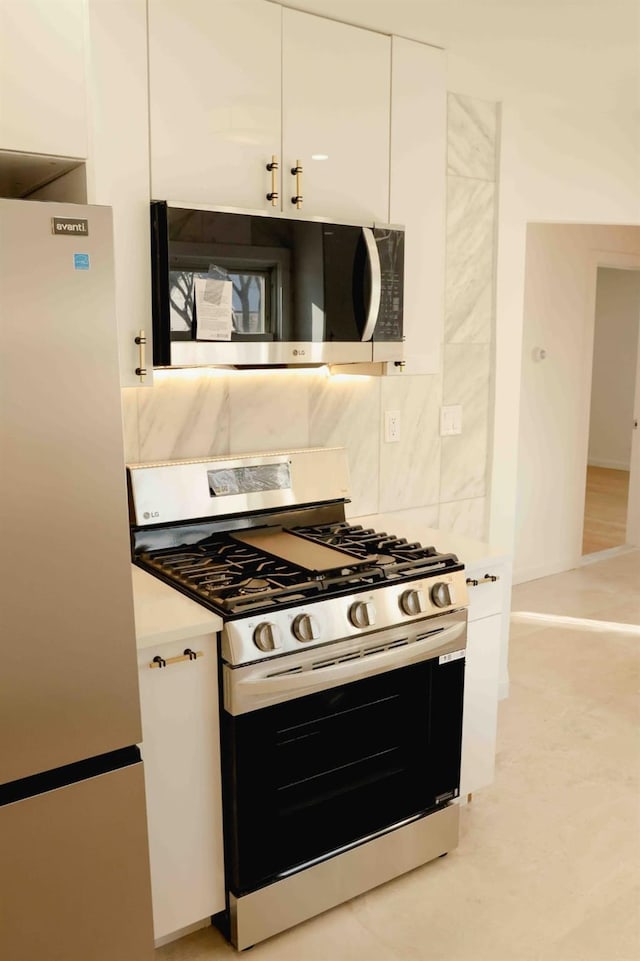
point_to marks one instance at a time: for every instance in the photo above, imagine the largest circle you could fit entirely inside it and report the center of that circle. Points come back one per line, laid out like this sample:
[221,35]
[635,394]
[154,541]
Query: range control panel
[269,634]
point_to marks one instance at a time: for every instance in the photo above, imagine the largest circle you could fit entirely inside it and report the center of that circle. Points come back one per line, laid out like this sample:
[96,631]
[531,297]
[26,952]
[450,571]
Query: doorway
[612,477]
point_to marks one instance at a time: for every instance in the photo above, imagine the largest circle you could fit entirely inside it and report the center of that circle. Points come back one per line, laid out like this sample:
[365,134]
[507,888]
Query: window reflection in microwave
[250,303]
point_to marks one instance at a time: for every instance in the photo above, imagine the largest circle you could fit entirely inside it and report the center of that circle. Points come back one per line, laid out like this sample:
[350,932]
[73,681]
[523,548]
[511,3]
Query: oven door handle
[253,692]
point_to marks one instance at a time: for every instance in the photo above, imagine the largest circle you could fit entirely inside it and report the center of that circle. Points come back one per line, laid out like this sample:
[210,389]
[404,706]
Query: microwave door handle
[373,256]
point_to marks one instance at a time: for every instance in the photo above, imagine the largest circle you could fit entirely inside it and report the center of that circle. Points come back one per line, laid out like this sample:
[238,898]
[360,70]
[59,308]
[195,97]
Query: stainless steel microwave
[247,289]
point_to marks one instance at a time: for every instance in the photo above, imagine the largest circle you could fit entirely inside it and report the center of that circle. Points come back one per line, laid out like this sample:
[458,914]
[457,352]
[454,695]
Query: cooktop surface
[234,572]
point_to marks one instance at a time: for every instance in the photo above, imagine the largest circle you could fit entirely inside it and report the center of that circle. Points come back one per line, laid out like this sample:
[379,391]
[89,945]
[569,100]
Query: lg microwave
[247,289]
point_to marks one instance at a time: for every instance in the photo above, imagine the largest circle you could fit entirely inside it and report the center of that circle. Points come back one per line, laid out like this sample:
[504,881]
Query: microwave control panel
[390,245]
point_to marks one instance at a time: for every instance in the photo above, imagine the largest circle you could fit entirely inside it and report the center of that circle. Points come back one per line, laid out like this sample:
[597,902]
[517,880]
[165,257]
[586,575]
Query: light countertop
[164,614]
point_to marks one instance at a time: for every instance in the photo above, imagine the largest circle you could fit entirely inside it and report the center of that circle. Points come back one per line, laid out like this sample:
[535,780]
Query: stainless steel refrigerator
[74,875]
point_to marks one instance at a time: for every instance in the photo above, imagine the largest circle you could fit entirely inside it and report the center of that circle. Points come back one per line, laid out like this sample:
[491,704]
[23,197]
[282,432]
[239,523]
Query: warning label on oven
[453,656]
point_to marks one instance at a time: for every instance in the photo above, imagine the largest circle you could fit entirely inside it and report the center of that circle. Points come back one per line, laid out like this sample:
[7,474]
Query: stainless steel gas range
[341,672]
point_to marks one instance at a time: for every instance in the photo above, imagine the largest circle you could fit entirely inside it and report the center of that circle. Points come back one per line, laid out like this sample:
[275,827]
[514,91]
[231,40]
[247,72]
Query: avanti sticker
[62,226]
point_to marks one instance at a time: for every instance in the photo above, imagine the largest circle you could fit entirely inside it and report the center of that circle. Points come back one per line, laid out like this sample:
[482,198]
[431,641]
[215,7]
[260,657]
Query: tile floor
[548,866]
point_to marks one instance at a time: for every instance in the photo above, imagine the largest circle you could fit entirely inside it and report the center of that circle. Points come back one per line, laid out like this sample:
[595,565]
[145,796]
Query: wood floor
[605,510]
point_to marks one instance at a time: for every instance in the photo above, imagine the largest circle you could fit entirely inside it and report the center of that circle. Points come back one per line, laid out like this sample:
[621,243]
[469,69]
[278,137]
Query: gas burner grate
[395,554]
[233,578]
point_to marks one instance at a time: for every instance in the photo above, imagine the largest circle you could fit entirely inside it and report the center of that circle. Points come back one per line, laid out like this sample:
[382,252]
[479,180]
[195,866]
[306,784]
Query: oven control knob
[413,602]
[442,594]
[362,614]
[305,628]
[266,636]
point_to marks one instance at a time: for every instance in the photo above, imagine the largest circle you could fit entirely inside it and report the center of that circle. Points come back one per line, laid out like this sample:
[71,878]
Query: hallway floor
[548,866]
[605,509]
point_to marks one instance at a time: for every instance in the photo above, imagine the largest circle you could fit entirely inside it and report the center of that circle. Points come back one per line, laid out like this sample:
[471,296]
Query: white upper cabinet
[214,90]
[118,167]
[234,84]
[335,118]
[418,195]
[42,77]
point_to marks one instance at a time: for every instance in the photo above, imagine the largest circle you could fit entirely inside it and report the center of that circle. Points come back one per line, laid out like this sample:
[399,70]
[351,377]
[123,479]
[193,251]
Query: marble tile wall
[468,357]
[196,413]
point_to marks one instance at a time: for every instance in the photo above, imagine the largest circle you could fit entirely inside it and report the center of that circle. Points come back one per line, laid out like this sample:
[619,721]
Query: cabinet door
[480,713]
[214,99]
[487,588]
[42,81]
[335,118]
[489,584]
[418,195]
[118,167]
[181,751]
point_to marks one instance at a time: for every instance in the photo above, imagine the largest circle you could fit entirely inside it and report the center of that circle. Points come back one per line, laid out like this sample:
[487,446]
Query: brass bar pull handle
[273,193]
[297,173]
[187,655]
[141,369]
[487,579]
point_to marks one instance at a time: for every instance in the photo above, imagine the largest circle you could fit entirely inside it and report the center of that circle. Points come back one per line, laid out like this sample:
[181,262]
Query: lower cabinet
[480,704]
[181,753]
[487,600]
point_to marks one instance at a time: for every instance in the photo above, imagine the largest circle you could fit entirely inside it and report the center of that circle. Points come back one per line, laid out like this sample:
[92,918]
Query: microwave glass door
[248,280]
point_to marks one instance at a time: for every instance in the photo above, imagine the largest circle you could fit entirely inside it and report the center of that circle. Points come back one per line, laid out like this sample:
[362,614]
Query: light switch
[451,420]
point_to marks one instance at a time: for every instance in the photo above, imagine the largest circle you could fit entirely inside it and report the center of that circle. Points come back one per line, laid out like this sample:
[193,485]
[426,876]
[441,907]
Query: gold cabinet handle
[273,194]
[297,173]
[187,655]
[141,369]
[487,579]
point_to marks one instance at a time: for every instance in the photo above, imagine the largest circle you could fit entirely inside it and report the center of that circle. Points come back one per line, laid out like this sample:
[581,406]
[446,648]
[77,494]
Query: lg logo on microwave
[299,353]
[149,514]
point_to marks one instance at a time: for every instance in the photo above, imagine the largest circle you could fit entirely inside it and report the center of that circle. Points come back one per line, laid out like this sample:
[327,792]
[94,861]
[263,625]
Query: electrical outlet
[451,420]
[392,426]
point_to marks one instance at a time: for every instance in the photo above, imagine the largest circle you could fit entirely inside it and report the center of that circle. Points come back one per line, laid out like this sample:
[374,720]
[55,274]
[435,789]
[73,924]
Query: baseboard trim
[182,932]
[610,464]
[524,574]
[603,555]
[520,576]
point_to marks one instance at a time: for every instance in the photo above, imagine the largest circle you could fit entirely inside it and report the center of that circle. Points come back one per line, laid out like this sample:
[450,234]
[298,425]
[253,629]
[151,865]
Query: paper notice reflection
[213,303]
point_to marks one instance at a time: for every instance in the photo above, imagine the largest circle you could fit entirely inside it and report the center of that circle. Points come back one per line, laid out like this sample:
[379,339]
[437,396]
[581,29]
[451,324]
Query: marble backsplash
[200,412]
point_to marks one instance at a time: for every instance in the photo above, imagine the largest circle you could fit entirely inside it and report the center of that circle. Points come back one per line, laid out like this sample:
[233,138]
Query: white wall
[614,367]
[567,76]
[562,262]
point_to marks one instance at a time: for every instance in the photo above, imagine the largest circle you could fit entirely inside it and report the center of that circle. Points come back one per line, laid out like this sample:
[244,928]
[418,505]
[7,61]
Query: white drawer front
[486,590]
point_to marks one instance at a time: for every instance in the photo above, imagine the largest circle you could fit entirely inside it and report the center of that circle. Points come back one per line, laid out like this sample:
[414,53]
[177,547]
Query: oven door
[346,749]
